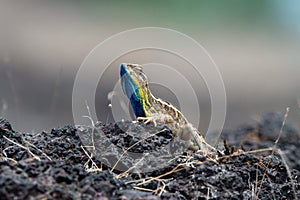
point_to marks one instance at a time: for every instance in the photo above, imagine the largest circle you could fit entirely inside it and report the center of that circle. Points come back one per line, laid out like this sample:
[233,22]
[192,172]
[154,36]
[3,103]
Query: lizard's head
[135,86]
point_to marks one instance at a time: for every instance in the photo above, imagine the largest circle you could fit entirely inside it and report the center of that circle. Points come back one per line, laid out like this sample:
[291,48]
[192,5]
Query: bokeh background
[256,45]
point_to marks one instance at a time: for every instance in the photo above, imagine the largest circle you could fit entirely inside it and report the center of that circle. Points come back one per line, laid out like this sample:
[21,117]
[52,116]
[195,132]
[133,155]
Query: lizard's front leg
[156,118]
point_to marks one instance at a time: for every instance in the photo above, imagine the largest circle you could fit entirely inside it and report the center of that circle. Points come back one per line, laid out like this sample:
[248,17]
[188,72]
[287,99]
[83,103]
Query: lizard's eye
[138,68]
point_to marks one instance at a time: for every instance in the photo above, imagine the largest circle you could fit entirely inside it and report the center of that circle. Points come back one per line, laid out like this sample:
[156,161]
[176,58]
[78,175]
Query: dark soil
[54,165]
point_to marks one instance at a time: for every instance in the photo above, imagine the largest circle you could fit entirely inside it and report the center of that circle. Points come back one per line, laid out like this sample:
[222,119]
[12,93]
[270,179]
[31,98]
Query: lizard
[148,108]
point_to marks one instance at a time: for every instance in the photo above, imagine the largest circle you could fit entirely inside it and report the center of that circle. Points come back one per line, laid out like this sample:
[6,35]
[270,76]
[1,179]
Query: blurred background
[256,45]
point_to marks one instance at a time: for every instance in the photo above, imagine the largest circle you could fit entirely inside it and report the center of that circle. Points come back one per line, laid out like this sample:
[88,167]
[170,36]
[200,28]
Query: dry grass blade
[143,189]
[160,188]
[92,122]
[124,174]
[288,172]
[94,167]
[23,147]
[5,157]
[160,176]
[38,150]
[273,149]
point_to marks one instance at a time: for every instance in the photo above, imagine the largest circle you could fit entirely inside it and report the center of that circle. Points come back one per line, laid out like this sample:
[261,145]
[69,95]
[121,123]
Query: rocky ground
[59,165]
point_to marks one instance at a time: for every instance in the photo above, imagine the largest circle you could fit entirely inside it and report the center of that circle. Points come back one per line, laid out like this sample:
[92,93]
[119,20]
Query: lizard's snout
[123,69]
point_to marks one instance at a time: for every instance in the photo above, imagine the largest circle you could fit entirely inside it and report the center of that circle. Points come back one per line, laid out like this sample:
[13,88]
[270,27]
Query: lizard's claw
[147,120]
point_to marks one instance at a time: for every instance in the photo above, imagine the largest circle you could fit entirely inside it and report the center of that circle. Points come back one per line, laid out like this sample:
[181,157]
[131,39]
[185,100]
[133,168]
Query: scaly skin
[148,108]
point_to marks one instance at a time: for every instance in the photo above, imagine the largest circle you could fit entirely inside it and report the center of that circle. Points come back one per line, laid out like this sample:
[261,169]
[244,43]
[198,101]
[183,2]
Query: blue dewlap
[131,90]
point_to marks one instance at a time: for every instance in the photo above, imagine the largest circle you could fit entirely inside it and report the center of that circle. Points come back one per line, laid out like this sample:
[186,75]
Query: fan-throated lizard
[148,108]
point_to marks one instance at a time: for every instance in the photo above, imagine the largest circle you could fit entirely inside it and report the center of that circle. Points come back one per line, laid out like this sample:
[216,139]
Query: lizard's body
[151,109]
